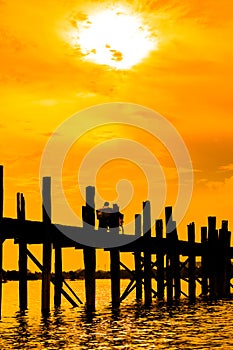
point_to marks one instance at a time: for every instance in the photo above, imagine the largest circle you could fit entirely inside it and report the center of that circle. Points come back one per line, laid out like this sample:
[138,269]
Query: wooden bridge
[156,257]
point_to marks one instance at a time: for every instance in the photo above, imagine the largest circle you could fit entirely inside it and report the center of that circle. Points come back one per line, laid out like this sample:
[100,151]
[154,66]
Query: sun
[114,37]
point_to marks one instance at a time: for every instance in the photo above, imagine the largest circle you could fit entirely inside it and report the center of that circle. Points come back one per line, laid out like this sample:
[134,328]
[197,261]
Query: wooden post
[89,253]
[224,264]
[47,246]
[147,253]
[192,263]
[22,254]
[227,260]
[160,261]
[204,262]
[115,277]
[1,241]
[176,258]
[169,256]
[137,259]
[58,275]
[213,255]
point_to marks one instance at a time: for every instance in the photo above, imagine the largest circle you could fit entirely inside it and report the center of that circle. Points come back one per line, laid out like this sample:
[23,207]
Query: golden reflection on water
[200,326]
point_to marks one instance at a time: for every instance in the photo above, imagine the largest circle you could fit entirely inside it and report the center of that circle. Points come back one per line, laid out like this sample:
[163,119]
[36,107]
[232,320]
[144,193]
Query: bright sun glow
[115,38]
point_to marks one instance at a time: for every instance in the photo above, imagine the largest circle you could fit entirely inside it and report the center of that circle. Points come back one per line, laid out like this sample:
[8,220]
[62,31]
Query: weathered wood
[169,221]
[160,261]
[47,245]
[23,294]
[147,254]
[58,275]
[115,277]
[40,266]
[213,257]
[191,264]
[227,261]
[224,263]
[176,258]
[204,262]
[169,256]
[1,241]
[215,252]
[71,290]
[137,259]
[89,253]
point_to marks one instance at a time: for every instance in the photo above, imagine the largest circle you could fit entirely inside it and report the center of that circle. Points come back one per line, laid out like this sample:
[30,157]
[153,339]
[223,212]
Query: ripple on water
[201,326]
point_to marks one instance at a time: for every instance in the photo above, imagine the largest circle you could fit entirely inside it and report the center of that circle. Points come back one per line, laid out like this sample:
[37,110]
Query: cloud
[50,133]
[227,167]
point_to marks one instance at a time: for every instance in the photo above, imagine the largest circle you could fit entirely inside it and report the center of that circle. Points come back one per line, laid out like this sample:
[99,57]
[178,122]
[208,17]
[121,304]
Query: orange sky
[188,78]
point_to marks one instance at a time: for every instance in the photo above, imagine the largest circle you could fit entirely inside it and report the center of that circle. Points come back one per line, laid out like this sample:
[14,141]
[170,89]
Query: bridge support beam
[22,254]
[160,261]
[191,264]
[58,275]
[137,259]
[47,246]
[147,254]
[89,253]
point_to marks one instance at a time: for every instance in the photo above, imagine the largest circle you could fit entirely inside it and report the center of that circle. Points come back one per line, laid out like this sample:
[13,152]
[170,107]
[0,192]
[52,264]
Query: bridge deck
[33,232]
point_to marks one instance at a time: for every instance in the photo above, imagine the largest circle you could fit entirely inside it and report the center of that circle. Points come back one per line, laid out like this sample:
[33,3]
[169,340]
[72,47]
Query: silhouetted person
[104,216]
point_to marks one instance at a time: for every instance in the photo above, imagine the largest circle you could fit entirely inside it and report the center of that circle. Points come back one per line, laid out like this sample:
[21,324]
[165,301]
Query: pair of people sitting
[110,217]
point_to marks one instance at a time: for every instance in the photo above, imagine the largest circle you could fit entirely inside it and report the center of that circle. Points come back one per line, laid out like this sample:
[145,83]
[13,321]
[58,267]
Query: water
[202,326]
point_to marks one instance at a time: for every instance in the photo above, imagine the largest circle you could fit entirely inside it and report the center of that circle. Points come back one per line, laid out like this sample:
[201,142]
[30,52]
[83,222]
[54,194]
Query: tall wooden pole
[224,263]
[58,275]
[115,277]
[47,245]
[160,261]
[22,254]
[176,258]
[147,253]
[204,262]
[115,266]
[137,259]
[213,256]
[89,253]
[192,263]
[1,241]
[227,260]
[169,256]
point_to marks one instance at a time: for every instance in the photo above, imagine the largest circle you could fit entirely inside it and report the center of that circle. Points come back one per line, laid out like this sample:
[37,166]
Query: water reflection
[22,333]
[205,325]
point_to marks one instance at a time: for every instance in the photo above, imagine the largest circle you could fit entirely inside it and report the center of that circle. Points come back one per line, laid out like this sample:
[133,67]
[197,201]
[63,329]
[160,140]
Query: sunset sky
[180,64]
